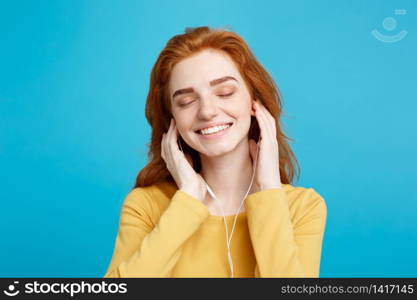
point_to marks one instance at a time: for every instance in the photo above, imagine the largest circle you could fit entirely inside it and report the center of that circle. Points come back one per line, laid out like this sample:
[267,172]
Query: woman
[217,144]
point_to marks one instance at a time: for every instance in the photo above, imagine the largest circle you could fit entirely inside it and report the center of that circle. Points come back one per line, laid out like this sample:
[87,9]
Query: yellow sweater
[165,232]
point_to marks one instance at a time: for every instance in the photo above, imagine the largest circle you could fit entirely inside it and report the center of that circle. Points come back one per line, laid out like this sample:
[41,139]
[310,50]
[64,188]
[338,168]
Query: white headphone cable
[228,240]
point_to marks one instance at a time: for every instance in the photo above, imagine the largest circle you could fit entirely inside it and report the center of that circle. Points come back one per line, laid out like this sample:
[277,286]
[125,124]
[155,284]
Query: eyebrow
[212,83]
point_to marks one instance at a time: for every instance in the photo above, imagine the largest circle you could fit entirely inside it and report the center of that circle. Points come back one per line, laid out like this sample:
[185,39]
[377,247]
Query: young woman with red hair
[219,167]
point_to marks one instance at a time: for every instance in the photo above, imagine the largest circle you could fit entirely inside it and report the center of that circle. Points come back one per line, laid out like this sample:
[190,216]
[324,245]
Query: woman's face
[206,90]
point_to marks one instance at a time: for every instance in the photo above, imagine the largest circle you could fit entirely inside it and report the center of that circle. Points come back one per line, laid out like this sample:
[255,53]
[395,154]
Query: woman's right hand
[179,165]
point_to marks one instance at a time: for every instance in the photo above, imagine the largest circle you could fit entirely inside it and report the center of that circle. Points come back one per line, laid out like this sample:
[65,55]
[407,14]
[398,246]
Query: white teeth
[214,129]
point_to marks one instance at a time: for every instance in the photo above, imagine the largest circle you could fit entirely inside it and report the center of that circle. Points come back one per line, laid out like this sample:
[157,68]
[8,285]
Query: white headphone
[228,240]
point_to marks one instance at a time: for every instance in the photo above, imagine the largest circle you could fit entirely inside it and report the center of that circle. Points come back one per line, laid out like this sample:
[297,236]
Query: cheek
[242,107]
[183,122]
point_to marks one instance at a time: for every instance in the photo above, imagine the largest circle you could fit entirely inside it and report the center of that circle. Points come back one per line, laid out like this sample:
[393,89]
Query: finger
[263,112]
[174,137]
[168,137]
[165,141]
[270,123]
[262,122]
[169,130]
[270,120]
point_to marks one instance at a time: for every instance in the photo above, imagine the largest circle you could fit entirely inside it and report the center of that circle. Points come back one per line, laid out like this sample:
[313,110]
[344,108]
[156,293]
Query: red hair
[158,104]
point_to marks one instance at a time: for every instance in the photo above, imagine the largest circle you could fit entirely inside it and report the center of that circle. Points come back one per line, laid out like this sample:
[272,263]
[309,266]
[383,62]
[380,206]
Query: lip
[212,124]
[217,134]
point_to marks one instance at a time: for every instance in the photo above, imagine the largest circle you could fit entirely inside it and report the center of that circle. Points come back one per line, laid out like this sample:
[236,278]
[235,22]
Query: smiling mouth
[214,130]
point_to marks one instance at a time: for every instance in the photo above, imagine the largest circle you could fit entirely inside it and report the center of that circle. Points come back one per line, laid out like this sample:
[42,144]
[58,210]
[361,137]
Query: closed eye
[189,102]
[185,104]
[226,95]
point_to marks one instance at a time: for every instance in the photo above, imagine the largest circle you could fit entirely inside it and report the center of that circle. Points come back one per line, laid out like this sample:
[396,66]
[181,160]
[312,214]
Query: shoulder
[150,200]
[304,201]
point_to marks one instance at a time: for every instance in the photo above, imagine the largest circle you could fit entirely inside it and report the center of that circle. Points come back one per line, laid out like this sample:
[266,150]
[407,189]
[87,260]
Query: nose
[208,108]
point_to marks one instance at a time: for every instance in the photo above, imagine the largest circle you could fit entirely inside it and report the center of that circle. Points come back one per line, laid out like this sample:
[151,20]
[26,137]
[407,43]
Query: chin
[217,150]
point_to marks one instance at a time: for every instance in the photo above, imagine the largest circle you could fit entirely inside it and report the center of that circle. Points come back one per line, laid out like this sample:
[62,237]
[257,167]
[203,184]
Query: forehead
[201,68]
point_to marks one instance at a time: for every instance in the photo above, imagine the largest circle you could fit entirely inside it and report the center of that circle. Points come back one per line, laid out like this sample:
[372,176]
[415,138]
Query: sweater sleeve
[143,249]
[284,247]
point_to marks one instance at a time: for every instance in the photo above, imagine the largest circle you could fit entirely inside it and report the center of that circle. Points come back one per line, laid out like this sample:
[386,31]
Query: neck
[228,175]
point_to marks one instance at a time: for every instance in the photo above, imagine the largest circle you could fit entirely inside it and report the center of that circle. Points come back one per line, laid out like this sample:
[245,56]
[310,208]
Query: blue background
[74,76]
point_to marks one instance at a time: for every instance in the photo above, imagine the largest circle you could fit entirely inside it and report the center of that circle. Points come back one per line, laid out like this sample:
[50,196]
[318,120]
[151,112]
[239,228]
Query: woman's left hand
[267,174]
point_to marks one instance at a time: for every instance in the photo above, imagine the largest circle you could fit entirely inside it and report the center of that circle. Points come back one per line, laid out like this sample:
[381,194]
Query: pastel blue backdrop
[74,77]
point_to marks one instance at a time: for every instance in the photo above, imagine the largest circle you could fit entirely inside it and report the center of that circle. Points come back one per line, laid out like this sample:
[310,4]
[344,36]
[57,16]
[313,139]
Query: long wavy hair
[158,104]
